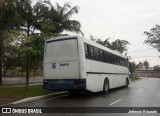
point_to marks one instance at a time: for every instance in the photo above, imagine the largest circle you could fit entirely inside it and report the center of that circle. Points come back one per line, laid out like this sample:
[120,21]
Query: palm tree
[60,19]
[31,16]
[8,16]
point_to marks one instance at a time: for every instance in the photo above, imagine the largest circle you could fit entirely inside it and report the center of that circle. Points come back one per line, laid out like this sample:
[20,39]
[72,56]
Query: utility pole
[113,36]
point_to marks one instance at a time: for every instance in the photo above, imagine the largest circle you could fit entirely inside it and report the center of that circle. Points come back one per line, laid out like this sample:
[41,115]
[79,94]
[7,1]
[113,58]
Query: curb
[35,98]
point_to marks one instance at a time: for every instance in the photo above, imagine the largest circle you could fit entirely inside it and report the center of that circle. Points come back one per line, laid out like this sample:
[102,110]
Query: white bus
[74,63]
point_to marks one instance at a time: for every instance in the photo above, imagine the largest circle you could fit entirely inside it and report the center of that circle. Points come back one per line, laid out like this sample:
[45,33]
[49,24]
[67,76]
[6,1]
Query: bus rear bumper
[64,84]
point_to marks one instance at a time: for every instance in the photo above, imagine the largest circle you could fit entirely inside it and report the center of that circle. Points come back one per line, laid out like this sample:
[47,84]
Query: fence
[148,73]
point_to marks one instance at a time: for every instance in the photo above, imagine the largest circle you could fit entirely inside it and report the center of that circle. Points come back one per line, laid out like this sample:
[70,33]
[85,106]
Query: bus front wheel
[105,86]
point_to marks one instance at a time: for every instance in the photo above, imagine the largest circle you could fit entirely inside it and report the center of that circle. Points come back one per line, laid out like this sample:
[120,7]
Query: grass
[33,90]
[135,78]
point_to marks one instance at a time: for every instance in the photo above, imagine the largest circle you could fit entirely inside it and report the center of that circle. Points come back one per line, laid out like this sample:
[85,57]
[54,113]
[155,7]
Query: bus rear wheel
[127,83]
[105,86]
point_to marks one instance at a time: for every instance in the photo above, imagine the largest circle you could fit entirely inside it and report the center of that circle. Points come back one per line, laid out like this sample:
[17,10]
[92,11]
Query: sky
[120,19]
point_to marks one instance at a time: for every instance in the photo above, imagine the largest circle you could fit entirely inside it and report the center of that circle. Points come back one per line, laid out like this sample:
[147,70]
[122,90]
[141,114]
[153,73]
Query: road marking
[115,102]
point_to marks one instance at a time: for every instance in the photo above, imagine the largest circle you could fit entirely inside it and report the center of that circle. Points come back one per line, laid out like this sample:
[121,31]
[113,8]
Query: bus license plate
[61,81]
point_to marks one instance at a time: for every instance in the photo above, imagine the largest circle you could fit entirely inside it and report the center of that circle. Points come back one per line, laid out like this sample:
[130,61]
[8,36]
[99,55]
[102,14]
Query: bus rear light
[45,81]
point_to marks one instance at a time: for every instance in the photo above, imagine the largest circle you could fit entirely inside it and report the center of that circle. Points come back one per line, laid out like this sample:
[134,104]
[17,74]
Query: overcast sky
[120,19]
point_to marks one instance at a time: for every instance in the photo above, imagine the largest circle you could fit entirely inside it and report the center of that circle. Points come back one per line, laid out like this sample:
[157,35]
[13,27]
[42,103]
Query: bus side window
[116,60]
[120,61]
[106,57]
[126,63]
[96,53]
[101,55]
[123,62]
[86,50]
[91,52]
[112,59]
[109,58]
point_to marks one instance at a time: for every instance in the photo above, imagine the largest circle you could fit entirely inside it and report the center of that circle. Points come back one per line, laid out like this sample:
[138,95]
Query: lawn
[33,90]
[135,78]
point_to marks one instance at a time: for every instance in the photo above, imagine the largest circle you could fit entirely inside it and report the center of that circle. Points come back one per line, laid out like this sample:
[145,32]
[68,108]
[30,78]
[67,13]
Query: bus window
[86,50]
[96,53]
[106,57]
[101,55]
[91,52]
[112,59]
[116,60]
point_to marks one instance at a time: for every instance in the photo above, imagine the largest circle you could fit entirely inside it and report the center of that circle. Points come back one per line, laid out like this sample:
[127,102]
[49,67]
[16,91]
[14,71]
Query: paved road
[141,93]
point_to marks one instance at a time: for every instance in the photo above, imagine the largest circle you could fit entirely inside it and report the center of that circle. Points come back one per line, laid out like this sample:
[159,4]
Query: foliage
[157,68]
[117,45]
[132,68]
[19,45]
[59,18]
[120,45]
[153,37]
[146,64]
[8,21]
[140,65]
[35,43]
[8,16]
[135,78]
[11,49]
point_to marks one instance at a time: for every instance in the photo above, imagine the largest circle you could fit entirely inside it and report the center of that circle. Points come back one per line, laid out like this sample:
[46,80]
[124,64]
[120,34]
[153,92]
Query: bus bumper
[64,84]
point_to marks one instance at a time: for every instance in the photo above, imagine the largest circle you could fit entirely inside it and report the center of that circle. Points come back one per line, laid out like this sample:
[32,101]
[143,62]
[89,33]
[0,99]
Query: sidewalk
[21,80]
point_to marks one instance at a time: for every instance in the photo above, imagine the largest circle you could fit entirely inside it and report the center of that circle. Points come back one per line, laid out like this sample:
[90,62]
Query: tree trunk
[27,70]
[34,72]
[1,60]
[27,60]
[22,71]
[4,72]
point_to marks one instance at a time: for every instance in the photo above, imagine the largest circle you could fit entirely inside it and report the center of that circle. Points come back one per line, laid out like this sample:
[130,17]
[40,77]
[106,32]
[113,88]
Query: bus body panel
[97,71]
[61,65]
[61,60]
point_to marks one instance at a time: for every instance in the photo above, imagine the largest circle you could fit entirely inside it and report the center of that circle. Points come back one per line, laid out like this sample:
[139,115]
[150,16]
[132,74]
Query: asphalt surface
[141,93]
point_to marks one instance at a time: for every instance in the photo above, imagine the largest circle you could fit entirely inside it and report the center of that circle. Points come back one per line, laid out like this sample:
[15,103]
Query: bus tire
[105,86]
[127,83]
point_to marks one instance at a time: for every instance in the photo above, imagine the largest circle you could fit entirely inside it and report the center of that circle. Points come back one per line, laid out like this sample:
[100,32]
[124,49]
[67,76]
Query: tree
[120,45]
[8,17]
[140,65]
[59,18]
[117,45]
[132,68]
[31,18]
[25,17]
[11,49]
[12,55]
[153,37]
[146,64]
[157,68]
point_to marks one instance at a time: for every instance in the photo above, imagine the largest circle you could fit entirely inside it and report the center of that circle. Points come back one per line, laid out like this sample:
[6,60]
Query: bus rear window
[62,49]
